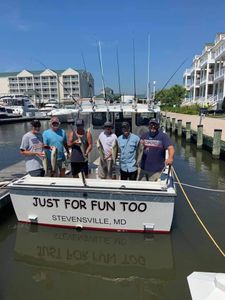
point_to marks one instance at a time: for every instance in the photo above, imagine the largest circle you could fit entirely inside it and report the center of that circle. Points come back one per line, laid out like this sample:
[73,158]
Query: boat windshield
[142,119]
[99,118]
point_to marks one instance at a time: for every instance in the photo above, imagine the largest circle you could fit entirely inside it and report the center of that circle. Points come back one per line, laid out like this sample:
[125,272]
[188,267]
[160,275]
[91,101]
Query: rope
[197,216]
[201,188]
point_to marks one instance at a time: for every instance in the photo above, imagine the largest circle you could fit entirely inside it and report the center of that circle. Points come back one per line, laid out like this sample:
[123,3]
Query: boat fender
[79,227]
[123,186]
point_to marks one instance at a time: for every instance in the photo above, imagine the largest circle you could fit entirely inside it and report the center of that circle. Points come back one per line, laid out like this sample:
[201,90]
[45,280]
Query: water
[52,263]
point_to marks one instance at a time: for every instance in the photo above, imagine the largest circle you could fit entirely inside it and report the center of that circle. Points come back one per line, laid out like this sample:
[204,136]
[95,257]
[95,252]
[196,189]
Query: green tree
[172,96]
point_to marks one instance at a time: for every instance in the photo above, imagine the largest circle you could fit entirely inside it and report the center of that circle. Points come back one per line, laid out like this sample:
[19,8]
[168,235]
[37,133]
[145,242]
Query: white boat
[6,112]
[48,108]
[20,105]
[135,206]
[65,115]
[207,285]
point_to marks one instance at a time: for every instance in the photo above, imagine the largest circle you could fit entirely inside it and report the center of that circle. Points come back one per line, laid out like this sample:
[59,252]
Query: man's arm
[171,151]
[90,143]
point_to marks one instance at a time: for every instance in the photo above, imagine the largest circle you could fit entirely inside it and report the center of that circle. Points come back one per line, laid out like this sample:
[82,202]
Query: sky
[57,34]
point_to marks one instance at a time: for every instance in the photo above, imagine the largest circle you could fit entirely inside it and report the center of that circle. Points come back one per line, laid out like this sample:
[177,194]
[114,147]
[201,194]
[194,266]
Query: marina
[175,256]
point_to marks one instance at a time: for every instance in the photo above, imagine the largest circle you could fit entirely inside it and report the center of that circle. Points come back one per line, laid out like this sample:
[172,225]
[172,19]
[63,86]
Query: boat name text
[92,204]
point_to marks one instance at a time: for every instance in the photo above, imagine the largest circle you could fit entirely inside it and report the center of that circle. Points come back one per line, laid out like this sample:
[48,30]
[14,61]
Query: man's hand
[169,161]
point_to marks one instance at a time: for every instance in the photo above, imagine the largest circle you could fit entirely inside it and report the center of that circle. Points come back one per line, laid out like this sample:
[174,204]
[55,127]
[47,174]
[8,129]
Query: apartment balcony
[220,51]
[197,82]
[219,74]
[210,79]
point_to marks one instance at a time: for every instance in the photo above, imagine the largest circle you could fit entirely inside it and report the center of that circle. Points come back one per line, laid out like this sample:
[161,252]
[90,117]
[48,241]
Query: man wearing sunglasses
[56,137]
[155,144]
[32,148]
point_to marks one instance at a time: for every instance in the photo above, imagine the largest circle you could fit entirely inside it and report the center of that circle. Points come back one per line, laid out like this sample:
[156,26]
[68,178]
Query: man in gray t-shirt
[106,168]
[32,148]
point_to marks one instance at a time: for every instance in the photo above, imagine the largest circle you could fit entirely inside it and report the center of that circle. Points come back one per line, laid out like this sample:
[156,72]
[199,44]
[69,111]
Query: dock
[209,124]
[22,119]
[8,174]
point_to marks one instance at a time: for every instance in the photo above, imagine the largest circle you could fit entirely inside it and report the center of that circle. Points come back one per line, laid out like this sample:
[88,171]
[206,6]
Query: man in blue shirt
[128,144]
[56,137]
[155,144]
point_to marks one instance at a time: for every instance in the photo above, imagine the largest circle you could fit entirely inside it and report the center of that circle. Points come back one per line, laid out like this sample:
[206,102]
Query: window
[142,119]
[99,118]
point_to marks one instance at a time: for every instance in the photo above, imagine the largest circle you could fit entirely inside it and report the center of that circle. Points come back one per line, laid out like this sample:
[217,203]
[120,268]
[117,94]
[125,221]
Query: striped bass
[45,163]
[115,148]
[82,148]
[139,153]
[54,158]
[100,150]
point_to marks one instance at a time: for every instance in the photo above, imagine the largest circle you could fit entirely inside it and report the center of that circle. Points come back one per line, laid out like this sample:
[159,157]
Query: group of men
[154,144]
[35,146]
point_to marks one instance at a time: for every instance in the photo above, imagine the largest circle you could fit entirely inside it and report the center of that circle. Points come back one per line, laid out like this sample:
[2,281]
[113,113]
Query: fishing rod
[102,77]
[148,72]
[71,95]
[170,79]
[135,95]
[118,72]
[90,87]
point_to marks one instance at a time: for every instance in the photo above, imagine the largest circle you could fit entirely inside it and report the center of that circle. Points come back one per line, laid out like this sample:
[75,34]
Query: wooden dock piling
[199,136]
[216,143]
[179,127]
[188,131]
[173,125]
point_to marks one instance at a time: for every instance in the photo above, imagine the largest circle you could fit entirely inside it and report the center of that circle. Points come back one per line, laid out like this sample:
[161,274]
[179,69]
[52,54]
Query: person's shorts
[37,173]
[77,167]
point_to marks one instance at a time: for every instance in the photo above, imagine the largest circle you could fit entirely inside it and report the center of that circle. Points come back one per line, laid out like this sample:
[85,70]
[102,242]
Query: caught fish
[139,153]
[82,148]
[45,163]
[54,159]
[100,150]
[115,151]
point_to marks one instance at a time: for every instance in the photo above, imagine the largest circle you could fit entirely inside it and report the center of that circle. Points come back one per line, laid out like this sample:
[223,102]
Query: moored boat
[118,205]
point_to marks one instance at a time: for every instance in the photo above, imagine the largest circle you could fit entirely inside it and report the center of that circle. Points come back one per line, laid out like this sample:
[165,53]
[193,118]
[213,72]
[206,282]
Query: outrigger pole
[118,72]
[148,78]
[165,85]
[135,95]
[102,76]
[89,85]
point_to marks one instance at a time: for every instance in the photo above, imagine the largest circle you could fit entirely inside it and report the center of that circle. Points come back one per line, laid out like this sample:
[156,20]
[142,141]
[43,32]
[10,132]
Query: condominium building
[205,80]
[60,85]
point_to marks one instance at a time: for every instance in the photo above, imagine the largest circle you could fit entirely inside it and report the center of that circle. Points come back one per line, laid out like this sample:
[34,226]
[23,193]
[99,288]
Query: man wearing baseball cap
[128,144]
[32,148]
[107,138]
[155,144]
[80,141]
[56,137]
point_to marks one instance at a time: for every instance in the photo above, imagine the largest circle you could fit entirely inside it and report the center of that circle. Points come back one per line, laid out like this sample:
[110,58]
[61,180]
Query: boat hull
[88,207]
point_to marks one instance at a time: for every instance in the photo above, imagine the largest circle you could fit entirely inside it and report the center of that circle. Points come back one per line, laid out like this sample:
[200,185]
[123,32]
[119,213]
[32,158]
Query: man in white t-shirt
[107,138]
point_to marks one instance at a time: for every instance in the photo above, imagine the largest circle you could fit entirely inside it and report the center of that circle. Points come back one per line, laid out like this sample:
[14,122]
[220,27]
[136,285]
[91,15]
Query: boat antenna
[135,95]
[118,72]
[148,78]
[71,95]
[165,85]
[102,77]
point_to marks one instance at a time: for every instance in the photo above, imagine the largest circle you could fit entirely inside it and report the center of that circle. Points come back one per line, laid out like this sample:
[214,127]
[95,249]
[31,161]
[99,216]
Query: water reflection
[132,265]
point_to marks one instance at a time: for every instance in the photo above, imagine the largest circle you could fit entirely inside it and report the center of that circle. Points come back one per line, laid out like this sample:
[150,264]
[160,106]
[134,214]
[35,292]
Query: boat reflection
[103,259]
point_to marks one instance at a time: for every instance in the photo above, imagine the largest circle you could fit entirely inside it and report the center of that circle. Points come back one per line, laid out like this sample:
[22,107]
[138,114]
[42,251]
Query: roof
[37,72]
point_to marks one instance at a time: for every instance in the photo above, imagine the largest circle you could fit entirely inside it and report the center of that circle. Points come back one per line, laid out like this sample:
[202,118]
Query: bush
[190,110]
